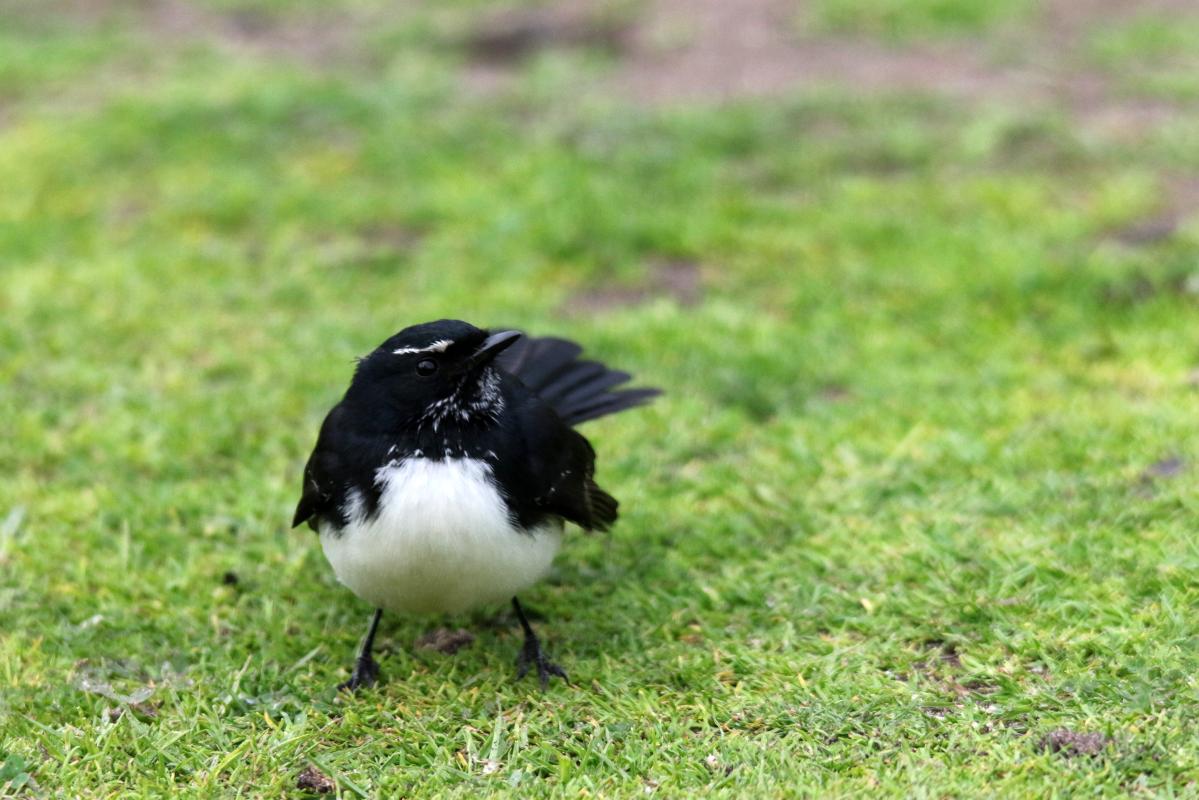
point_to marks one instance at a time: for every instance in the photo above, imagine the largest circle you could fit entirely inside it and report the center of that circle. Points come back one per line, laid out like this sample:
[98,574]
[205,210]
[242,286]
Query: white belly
[439,542]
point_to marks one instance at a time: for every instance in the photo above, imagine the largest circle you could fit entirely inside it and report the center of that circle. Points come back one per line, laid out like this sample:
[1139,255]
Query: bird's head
[435,373]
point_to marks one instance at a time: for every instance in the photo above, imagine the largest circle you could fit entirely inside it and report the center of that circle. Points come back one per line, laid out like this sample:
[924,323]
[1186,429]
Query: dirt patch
[514,34]
[939,712]
[1164,469]
[721,50]
[714,51]
[835,393]
[1180,202]
[1074,743]
[677,279]
[1066,18]
[1170,467]
[444,640]
[947,653]
[1146,232]
[316,37]
[941,670]
[313,780]
[505,39]
[669,52]
[311,35]
[392,238]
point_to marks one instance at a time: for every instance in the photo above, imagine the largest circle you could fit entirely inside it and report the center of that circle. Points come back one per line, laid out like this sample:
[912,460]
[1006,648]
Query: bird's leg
[366,670]
[531,655]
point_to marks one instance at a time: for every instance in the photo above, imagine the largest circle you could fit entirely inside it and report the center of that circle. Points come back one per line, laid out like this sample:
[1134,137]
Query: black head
[436,372]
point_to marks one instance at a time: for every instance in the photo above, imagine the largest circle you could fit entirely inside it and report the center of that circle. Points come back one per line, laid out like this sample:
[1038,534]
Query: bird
[443,479]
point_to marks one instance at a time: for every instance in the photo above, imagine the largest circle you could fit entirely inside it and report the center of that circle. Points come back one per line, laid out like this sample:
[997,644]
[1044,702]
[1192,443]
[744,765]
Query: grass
[920,492]
[1152,54]
[912,20]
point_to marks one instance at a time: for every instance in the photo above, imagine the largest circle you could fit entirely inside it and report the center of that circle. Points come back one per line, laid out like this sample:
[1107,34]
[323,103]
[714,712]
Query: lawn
[915,516]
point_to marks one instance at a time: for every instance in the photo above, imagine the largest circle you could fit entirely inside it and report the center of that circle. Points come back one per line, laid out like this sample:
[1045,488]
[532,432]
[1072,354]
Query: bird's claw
[364,676]
[531,655]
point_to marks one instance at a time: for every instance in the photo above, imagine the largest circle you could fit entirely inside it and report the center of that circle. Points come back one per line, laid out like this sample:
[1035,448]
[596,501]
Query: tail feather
[611,403]
[578,390]
[571,376]
[535,360]
[602,507]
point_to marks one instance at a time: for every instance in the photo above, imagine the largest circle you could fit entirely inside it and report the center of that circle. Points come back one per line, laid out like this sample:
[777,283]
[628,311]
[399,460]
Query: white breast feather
[440,541]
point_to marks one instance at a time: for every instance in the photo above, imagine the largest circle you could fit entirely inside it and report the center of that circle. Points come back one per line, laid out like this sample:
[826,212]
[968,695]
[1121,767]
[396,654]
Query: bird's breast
[441,539]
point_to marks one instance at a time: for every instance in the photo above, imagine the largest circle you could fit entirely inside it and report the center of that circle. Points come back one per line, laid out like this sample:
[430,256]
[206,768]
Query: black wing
[560,474]
[572,492]
[317,496]
[576,389]
[320,493]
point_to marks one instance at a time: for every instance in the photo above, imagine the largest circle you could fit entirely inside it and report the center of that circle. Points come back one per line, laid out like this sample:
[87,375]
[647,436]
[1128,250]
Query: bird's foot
[364,676]
[531,655]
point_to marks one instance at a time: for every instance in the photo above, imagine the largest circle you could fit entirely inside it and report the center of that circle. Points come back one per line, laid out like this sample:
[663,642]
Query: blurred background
[919,279]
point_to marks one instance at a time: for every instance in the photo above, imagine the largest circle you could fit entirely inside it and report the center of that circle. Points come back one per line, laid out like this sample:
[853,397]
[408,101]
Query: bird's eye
[426,367]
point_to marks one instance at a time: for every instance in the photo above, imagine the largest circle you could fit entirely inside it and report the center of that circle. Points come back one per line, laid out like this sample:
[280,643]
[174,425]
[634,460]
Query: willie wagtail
[442,479]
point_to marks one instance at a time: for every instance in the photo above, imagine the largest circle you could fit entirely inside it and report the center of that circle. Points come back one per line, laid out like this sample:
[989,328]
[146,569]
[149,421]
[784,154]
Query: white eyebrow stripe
[437,347]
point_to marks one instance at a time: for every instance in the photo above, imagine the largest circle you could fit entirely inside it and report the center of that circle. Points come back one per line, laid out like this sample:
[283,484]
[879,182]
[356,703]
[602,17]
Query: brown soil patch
[835,393]
[1161,470]
[1180,200]
[512,35]
[714,51]
[1068,17]
[504,39]
[1166,468]
[390,239]
[684,51]
[676,279]
[445,641]
[313,780]
[311,35]
[721,50]
[941,670]
[947,654]
[315,37]
[1074,743]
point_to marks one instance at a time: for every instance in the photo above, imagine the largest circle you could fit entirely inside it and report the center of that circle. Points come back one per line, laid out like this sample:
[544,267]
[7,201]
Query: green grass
[894,521]
[1156,55]
[907,20]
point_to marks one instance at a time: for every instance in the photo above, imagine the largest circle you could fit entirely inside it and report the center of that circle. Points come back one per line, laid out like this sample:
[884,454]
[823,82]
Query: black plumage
[577,390]
[469,403]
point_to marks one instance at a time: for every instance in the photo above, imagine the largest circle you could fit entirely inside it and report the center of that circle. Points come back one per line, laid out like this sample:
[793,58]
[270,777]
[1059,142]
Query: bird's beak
[492,346]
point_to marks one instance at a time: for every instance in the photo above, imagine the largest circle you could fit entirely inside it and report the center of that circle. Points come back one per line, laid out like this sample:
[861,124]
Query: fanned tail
[578,390]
